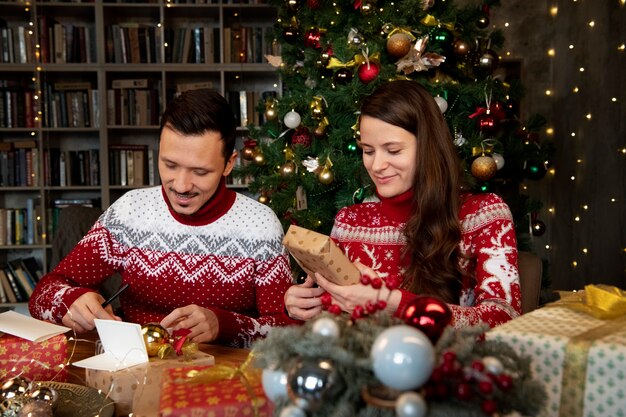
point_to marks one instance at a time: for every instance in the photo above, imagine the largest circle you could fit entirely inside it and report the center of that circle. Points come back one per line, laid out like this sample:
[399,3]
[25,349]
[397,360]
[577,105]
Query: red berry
[326,299]
[371,307]
[365,280]
[505,382]
[392,283]
[436,375]
[489,406]
[486,387]
[449,357]
[478,365]
[382,304]
[334,309]
[377,283]
[450,368]
[442,390]
[464,391]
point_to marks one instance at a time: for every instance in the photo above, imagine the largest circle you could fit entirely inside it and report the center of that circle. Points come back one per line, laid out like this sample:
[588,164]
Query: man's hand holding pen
[89,306]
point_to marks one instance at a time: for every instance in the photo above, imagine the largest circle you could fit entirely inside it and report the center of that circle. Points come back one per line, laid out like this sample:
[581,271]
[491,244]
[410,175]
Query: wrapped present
[36,361]
[316,252]
[137,389]
[185,392]
[580,359]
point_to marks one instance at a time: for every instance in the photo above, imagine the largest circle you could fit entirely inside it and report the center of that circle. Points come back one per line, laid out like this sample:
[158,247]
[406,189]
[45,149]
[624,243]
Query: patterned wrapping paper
[580,360]
[31,360]
[225,398]
[138,389]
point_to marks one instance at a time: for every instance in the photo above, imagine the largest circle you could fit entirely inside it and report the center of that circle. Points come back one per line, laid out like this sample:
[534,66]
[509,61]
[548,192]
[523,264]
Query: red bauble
[313,4]
[368,73]
[312,39]
[428,314]
[302,136]
[487,124]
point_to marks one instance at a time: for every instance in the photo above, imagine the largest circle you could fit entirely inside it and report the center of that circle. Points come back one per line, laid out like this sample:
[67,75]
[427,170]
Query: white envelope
[29,328]
[123,347]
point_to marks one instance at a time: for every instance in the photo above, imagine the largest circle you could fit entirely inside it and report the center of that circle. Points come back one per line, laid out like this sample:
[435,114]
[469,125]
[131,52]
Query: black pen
[114,296]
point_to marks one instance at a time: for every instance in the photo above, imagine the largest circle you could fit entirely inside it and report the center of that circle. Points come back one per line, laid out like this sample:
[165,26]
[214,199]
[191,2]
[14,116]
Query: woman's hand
[81,314]
[303,301]
[201,321]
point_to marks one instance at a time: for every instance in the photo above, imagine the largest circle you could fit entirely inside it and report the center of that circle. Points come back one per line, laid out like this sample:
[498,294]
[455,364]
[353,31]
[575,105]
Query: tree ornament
[247,152]
[535,170]
[398,44]
[302,136]
[411,404]
[320,129]
[291,34]
[483,21]
[14,388]
[441,38]
[155,337]
[487,123]
[428,314]
[293,5]
[499,159]
[326,175]
[259,157]
[312,381]
[488,61]
[274,384]
[368,72]
[343,76]
[312,39]
[461,48]
[263,199]
[442,103]
[402,357]
[484,167]
[538,228]
[367,8]
[288,169]
[358,196]
[326,327]
[292,119]
[317,107]
[314,4]
[355,39]
[351,148]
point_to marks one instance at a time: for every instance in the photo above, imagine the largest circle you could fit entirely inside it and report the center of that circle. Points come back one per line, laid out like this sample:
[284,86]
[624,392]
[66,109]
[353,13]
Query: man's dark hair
[195,112]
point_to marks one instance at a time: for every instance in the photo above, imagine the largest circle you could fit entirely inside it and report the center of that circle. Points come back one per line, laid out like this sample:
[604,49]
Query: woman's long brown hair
[433,231]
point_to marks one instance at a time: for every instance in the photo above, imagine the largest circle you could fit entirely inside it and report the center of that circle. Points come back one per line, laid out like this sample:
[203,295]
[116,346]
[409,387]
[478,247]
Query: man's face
[191,168]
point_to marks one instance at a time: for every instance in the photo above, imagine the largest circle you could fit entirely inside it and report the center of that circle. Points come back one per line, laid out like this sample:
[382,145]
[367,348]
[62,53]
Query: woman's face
[389,155]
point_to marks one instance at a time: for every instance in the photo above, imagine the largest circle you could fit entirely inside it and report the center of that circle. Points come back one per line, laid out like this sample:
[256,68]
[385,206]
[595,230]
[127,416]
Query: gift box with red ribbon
[36,361]
[200,392]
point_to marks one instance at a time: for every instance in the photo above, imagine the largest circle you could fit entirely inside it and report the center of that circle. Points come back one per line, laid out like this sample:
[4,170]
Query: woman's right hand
[81,314]
[303,301]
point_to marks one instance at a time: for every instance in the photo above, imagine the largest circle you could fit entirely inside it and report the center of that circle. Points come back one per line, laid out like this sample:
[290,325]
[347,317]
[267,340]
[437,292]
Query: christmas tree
[304,159]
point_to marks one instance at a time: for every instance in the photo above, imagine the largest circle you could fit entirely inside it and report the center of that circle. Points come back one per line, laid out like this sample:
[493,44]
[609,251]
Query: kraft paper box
[316,252]
[36,361]
[137,389]
[224,398]
[580,360]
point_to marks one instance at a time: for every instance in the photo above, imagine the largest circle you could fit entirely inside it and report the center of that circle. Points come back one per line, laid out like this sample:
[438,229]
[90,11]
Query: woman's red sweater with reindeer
[371,233]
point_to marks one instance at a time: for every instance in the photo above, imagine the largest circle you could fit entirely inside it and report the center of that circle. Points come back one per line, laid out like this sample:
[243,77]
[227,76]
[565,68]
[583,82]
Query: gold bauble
[271,113]
[326,176]
[259,158]
[398,45]
[288,169]
[247,153]
[320,130]
[484,167]
[317,108]
[263,199]
[154,336]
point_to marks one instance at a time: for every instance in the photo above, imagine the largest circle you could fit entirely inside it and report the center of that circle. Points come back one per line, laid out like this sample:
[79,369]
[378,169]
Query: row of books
[17,44]
[133,43]
[71,167]
[18,164]
[70,104]
[132,165]
[248,44]
[134,102]
[66,43]
[21,226]
[18,278]
[195,45]
[17,107]
[246,104]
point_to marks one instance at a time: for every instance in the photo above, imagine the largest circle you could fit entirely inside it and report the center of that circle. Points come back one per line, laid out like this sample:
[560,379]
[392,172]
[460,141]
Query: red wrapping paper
[34,361]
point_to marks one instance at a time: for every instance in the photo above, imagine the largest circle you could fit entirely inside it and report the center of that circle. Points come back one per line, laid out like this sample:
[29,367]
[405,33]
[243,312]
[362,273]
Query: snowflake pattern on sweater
[235,265]
[490,294]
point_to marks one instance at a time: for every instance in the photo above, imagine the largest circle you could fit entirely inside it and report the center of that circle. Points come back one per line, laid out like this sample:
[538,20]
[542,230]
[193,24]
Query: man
[196,254]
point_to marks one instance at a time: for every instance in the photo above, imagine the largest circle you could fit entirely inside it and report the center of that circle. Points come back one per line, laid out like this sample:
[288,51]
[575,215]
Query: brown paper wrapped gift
[316,252]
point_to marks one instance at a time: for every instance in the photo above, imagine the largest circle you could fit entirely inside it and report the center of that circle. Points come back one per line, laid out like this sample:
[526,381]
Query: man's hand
[303,301]
[201,321]
[84,310]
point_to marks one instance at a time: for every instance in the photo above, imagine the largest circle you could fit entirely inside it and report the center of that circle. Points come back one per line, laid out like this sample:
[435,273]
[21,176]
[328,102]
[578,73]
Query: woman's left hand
[202,322]
[347,297]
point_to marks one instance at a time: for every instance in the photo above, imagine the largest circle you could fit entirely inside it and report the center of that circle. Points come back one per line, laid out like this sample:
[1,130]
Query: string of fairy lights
[579,126]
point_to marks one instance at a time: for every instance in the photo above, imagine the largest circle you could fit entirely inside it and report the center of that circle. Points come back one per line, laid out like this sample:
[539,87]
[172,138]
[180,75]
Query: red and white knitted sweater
[371,233]
[228,258]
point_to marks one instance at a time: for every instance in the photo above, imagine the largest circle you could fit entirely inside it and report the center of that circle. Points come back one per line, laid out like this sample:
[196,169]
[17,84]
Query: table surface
[83,346]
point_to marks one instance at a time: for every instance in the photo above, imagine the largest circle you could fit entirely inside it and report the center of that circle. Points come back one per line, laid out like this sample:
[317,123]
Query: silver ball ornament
[442,103]
[411,404]
[313,380]
[326,327]
[14,387]
[292,119]
[274,384]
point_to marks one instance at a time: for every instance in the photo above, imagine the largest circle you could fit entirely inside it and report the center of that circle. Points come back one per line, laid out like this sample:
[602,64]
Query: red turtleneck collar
[398,208]
[216,207]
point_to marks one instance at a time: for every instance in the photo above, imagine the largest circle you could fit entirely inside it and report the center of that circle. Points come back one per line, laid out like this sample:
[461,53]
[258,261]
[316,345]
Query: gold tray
[77,400]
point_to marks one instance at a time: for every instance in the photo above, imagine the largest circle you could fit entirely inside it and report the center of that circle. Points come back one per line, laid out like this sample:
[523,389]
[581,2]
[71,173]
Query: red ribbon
[179,337]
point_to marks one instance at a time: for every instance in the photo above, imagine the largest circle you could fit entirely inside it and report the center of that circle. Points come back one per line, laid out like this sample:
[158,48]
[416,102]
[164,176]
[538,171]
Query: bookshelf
[82,85]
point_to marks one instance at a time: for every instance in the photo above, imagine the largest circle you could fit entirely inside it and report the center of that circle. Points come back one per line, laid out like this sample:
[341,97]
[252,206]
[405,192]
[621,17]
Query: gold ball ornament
[263,199]
[288,169]
[259,158]
[398,45]
[484,168]
[16,387]
[326,176]
[247,153]
[154,336]
[271,113]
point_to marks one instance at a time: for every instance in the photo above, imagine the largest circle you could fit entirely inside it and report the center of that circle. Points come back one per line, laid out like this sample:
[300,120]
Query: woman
[425,233]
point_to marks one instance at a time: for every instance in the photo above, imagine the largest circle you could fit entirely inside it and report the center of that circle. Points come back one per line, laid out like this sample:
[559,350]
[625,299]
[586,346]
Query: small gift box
[316,252]
[580,359]
[193,391]
[36,361]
